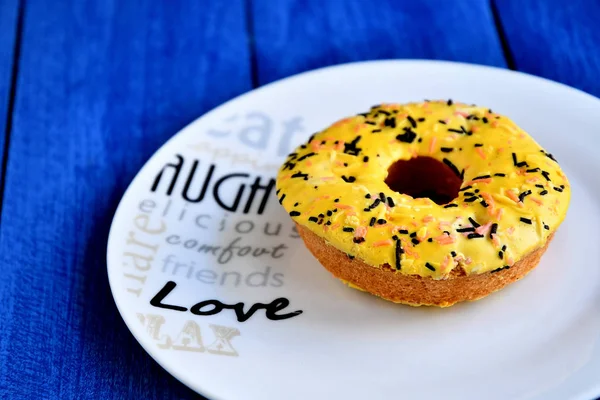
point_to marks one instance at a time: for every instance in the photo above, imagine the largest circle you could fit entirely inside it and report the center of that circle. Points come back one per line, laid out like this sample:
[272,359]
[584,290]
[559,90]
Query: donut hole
[424,177]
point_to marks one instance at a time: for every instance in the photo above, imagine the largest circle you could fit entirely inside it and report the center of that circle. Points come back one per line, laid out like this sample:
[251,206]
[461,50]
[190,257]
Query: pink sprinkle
[335,226]
[510,230]
[308,163]
[315,145]
[344,207]
[468,260]
[499,214]
[479,151]
[445,263]
[531,180]
[445,239]
[461,113]
[324,197]
[494,124]
[522,136]
[500,150]
[339,163]
[381,243]
[483,229]
[360,232]
[432,144]
[510,261]
[327,178]
[340,145]
[537,201]
[496,240]
[483,180]
[428,218]
[474,128]
[413,223]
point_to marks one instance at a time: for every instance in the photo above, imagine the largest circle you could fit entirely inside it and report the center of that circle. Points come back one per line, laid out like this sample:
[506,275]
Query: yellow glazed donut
[425,203]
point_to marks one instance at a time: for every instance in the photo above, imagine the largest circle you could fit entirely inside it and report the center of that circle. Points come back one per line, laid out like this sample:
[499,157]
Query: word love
[212,307]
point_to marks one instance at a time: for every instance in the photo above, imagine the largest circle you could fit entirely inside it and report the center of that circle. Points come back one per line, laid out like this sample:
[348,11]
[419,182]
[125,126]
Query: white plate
[537,339]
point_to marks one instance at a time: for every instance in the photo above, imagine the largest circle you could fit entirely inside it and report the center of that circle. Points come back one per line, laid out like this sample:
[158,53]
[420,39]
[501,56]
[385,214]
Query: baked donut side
[416,290]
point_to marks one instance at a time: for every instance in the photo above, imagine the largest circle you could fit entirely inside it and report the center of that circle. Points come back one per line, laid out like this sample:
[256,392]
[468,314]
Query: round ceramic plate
[200,230]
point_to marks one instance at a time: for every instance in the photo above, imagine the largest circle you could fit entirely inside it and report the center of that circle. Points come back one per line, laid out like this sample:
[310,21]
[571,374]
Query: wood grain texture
[293,36]
[9,15]
[101,86]
[554,39]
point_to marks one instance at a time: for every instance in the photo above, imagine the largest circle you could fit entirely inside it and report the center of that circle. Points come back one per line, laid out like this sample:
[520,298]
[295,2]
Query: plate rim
[142,340]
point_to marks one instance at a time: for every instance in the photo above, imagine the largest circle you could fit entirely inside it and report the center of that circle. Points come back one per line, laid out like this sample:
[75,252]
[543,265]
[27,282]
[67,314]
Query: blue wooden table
[90,89]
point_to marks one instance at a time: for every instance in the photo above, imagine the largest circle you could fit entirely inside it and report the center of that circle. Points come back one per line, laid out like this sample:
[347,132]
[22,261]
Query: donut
[425,203]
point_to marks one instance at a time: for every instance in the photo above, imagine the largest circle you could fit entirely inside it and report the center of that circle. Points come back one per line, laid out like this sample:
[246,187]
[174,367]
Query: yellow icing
[338,179]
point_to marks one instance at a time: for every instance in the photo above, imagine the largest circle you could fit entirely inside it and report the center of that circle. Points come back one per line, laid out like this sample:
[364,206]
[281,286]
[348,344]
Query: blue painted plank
[555,39]
[9,13]
[101,86]
[298,35]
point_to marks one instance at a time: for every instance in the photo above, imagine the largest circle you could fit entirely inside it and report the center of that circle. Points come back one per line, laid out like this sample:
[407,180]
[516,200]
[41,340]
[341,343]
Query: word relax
[215,306]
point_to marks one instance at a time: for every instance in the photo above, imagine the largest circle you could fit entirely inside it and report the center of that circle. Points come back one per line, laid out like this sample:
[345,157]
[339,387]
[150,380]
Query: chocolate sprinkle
[399,252]
[390,202]
[452,167]
[407,137]
[429,266]
[313,219]
[546,175]
[412,121]
[474,235]
[372,222]
[493,230]
[474,223]
[525,220]
[348,229]
[281,199]
[348,179]
[294,213]
[523,195]
[450,205]
[304,157]
[446,149]
[358,240]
